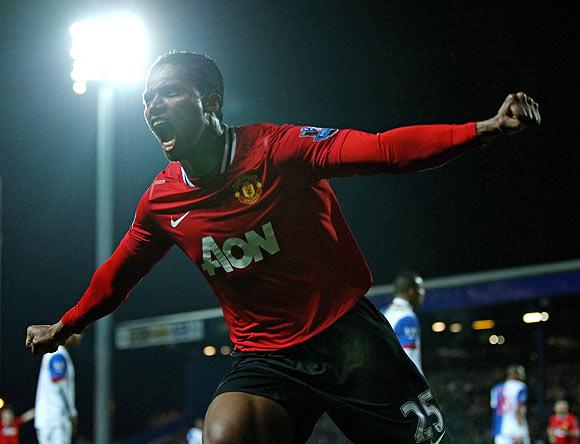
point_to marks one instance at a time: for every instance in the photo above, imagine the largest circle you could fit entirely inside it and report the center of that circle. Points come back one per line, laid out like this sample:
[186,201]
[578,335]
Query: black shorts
[357,372]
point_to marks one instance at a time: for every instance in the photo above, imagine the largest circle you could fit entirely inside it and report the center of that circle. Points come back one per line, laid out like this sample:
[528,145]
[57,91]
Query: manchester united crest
[248,189]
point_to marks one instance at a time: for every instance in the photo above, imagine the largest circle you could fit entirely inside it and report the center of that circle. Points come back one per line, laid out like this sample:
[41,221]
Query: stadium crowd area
[464,396]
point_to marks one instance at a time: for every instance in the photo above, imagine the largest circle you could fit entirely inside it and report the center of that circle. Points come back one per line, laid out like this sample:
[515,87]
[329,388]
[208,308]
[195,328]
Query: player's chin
[173,155]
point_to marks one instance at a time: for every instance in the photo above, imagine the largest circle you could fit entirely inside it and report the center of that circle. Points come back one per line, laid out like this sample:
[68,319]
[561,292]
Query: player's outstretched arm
[42,339]
[327,152]
[27,415]
[421,147]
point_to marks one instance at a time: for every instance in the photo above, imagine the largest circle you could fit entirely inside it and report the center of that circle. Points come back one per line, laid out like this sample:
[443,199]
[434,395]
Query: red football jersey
[267,231]
[561,426]
[10,434]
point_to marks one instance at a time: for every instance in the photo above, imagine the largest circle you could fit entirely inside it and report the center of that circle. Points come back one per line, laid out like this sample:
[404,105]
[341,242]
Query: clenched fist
[517,112]
[42,339]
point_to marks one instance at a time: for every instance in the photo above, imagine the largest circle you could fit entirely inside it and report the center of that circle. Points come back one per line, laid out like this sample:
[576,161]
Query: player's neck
[404,300]
[206,157]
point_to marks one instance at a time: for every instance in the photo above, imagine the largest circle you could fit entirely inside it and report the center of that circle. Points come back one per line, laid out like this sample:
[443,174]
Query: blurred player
[252,207]
[563,425]
[409,294]
[10,426]
[508,404]
[194,435]
[56,414]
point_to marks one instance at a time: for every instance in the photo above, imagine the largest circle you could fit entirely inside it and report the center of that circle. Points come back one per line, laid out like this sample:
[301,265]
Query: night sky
[365,65]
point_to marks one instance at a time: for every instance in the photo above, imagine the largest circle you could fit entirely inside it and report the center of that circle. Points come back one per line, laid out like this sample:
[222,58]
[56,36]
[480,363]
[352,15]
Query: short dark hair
[199,69]
[405,281]
[515,370]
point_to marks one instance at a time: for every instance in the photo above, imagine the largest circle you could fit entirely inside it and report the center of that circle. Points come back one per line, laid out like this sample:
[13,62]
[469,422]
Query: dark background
[365,65]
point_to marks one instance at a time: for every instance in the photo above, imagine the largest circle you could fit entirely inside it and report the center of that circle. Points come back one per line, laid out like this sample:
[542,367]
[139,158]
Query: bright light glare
[209,350]
[455,327]
[80,87]
[1,403]
[497,339]
[110,48]
[483,324]
[530,318]
[438,327]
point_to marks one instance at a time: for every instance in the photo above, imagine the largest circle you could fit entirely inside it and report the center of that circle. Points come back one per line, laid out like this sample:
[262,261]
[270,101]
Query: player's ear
[212,103]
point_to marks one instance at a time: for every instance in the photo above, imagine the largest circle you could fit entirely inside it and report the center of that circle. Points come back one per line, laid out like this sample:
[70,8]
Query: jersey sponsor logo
[9,431]
[176,222]
[318,133]
[248,189]
[504,406]
[228,255]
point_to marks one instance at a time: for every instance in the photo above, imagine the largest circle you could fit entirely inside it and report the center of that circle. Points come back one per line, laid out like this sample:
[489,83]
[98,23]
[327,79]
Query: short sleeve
[522,395]
[493,398]
[407,330]
[57,367]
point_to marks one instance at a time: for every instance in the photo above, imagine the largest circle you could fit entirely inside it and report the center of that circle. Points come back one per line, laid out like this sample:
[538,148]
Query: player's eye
[147,98]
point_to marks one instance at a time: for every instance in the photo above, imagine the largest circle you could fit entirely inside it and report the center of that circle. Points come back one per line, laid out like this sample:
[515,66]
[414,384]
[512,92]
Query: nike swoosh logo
[439,440]
[176,222]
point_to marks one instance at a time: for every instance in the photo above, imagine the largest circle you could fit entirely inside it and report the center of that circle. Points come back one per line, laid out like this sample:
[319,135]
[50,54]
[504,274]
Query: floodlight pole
[104,249]
[1,242]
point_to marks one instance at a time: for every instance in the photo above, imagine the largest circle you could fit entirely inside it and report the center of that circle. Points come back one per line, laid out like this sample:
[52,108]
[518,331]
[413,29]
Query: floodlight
[483,324]
[531,318]
[456,327]
[209,350]
[110,48]
[438,327]
[80,87]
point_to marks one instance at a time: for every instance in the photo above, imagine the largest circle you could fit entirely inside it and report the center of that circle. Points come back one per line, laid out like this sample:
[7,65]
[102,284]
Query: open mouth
[165,133]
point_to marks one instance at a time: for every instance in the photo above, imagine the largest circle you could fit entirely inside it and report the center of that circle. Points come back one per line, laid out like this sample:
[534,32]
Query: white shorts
[502,439]
[55,434]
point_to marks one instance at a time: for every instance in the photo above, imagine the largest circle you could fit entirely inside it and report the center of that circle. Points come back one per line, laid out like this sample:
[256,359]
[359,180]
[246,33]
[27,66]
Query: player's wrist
[59,332]
[488,130]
